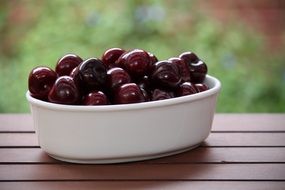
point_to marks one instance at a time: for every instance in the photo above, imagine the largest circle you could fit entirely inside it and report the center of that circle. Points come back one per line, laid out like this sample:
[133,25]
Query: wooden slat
[144,172]
[18,139]
[16,122]
[146,185]
[215,139]
[222,122]
[249,122]
[198,155]
[245,139]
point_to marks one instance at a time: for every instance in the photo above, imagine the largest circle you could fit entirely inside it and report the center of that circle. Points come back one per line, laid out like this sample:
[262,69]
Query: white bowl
[126,132]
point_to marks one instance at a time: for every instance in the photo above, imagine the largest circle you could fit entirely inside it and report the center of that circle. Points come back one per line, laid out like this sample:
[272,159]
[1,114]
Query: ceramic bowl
[126,132]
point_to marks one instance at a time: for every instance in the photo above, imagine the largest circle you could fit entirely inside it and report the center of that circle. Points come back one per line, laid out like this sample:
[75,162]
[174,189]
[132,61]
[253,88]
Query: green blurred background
[242,42]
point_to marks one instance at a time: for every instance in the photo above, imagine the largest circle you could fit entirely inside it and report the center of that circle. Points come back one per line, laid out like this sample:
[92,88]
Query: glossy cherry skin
[92,74]
[153,58]
[197,68]
[95,98]
[135,62]
[73,72]
[110,56]
[145,86]
[201,87]
[183,68]
[198,71]
[158,94]
[145,93]
[117,77]
[165,75]
[64,91]
[128,93]
[66,64]
[144,82]
[41,80]
[185,88]
[189,57]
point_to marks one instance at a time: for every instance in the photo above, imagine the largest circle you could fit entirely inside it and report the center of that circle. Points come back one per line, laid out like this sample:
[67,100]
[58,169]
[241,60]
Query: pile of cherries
[119,77]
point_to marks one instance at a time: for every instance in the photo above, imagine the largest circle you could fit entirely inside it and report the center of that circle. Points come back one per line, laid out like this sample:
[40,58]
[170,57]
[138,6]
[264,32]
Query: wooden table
[244,151]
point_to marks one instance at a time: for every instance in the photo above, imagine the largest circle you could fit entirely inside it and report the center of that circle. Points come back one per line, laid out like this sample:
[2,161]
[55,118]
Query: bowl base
[123,159]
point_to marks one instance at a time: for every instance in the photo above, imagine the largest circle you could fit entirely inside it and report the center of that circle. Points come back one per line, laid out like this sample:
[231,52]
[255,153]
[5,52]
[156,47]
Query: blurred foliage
[34,33]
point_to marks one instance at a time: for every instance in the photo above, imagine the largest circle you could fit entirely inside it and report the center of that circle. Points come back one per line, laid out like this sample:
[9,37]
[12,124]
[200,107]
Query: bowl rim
[167,102]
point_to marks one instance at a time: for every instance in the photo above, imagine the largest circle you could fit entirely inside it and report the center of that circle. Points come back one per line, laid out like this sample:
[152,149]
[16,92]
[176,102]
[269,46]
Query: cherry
[128,93]
[67,63]
[165,74]
[95,98]
[110,56]
[144,82]
[153,58]
[41,80]
[92,74]
[201,87]
[145,93]
[64,91]
[159,94]
[198,69]
[189,57]
[122,77]
[135,62]
[145,87]
[117,77]
[185,88]
[183,68]
[73,72]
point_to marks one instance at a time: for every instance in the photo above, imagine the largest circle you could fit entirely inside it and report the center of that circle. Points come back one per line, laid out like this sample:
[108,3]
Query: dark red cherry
[64,91]
[185,88]
[158,94]
[145,93]
[66,64]
[197,68]
[95,98]
[198,71]
[145,86]
[92,73]
[144,82]
[135,62]
[165,75]
[201,87]
[78,81]
[41,80]
[153,58]
[183,68]
[189,57]
[128,93]
[110,56]
[117,77]
[73,72]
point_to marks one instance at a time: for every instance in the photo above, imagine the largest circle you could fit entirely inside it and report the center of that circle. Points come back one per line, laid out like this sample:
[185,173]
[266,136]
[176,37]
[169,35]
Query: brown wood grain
[222,122]
[137,171]
[215,139]
[249,122]
[198,155]
[16,122]
[146,185]
[245,151]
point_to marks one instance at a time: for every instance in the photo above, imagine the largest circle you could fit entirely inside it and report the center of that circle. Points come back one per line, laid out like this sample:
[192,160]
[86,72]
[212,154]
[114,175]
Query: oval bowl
[126,132]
